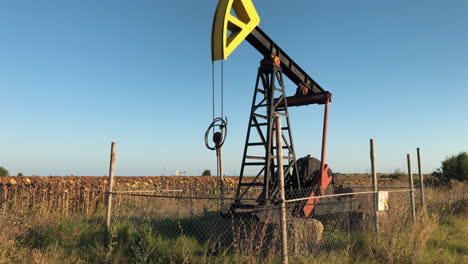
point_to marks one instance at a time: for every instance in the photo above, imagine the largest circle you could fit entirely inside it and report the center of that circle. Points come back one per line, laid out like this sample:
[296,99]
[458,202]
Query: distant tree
[3,172]
[206,173]
[453,167]
[19,174]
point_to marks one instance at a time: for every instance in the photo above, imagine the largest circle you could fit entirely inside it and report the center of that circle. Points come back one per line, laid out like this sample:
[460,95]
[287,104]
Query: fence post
[374,184]
[411,187]
[110,187]
[219,152]
[279,158]
[421,180]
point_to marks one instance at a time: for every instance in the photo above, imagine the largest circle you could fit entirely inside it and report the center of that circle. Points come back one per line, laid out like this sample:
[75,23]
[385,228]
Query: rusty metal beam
[301,100]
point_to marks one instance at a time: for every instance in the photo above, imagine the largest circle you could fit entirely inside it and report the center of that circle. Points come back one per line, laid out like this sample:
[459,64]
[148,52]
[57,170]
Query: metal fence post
[110,187]
[411,187]
[219,152]
[279,158]
[421,180]
[374,185]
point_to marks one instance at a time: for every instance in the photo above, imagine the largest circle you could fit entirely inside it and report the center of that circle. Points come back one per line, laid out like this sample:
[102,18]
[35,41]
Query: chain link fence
[337,219]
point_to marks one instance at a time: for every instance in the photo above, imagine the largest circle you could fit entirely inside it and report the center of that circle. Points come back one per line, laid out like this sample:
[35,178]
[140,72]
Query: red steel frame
[325,179]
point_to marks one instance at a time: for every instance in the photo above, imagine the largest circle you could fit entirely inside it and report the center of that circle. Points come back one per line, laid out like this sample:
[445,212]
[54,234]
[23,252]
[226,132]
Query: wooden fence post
[219,153]
[411,187]
[421,180]
[374,186]
[111,187]
[279,158]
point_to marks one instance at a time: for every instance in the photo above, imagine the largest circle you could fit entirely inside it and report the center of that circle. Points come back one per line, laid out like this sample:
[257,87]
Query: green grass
[449,243]
[74,239]
[80,240]
[77,240]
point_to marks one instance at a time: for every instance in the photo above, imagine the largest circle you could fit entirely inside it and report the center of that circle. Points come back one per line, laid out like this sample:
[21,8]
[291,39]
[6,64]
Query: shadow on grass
[220,234]
[205,228]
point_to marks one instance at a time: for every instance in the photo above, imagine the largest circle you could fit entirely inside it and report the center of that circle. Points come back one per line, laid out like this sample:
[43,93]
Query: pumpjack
[234,22]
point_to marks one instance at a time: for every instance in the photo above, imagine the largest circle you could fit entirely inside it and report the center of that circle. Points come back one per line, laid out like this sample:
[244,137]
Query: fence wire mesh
[332,225]
[194,215]
[196,218]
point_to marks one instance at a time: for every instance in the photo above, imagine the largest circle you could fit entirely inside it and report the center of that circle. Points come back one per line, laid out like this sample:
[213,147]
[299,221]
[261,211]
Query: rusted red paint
[325,179]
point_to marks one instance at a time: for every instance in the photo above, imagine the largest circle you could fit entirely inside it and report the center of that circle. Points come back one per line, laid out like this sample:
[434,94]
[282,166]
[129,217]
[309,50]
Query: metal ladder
[265,106]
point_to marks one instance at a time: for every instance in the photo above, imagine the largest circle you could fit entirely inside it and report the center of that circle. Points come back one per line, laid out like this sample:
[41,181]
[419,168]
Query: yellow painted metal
[232,23]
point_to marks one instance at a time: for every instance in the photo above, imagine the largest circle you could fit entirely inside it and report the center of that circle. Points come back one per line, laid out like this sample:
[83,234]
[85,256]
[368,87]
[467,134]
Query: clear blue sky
[76,75]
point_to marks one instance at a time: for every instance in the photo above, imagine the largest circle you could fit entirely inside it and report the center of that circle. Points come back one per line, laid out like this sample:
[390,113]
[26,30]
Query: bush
[454,167]
[206,173]
[3,172]
[397,175]
[19,174]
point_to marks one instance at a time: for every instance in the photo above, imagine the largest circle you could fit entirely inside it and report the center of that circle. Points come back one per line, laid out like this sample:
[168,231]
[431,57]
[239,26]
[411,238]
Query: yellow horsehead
[232,23]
